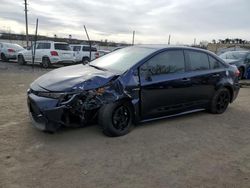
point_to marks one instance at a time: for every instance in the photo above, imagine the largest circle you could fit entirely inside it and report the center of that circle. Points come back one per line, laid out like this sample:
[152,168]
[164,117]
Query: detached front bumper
[44,113]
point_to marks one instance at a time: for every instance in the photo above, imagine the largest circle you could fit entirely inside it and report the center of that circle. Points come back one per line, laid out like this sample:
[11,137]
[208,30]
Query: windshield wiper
[99,68]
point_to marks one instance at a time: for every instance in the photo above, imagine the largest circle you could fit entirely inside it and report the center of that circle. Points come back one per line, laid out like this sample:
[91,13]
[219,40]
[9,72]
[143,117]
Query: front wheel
[115,119]
[220,101]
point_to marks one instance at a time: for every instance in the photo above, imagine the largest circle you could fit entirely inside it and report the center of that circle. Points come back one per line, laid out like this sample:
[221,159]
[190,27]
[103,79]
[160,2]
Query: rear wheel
[3,57]
[20,60]
[116,118]
[220,101]
[46,62]
[85,60]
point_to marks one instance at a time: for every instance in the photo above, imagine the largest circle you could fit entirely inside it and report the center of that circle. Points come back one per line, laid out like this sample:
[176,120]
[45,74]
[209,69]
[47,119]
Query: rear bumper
[236,89]
[58,60]
[11,56]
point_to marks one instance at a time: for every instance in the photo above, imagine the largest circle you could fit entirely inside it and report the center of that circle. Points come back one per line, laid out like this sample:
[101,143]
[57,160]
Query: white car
[82,53]
[9,51]
[48,53]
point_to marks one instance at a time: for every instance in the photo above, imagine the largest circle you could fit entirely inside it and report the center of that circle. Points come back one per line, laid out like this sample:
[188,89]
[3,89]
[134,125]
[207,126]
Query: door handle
[185,79]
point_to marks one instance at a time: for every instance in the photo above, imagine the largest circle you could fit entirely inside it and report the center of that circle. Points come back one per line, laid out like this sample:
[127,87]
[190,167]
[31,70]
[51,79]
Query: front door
[165,88]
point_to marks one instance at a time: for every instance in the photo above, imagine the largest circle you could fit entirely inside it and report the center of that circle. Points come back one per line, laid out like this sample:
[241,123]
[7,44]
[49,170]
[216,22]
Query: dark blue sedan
[241,59]
[132,85]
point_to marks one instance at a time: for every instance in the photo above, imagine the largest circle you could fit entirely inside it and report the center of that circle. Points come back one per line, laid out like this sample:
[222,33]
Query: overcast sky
[114,20]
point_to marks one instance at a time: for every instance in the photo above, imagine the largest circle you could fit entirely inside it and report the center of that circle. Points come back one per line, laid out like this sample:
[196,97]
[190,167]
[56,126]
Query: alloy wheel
[222,101]
[121,117]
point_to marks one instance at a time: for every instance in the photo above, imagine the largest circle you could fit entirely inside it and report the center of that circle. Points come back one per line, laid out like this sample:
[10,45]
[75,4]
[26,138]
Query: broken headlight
[53,95]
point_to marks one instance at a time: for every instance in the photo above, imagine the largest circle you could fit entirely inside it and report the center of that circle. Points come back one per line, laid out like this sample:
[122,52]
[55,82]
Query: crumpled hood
[72,77]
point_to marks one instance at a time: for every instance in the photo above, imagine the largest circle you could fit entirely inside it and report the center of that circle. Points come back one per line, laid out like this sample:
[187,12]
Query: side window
[164,63]
[46,45]
[197,60]
[76,48]
[39,46]
[93,49]
[214,63]
[43,46]
[85,48]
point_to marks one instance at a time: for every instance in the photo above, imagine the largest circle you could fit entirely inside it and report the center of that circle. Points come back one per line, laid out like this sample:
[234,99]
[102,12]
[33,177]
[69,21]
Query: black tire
[20,60]
[85,60]
[220,101]
[116,119]
[46,62]
[3,57]
[241,76]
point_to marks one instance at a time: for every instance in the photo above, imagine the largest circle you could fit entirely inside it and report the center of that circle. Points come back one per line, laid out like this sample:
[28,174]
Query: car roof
[164,46]
[158,47]
[82,45]
[49,41]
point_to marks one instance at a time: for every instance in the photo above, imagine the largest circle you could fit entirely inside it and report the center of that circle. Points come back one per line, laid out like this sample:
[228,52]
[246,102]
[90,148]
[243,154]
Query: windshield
[123,59]
[233,55]
[61,46]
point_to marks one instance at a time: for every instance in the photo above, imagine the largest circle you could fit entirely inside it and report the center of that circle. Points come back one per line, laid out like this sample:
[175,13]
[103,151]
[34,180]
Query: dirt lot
[196,150]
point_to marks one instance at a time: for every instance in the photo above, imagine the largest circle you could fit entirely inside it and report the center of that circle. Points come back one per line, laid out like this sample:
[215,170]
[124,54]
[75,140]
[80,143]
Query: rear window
[197,60]
[214,63]
[60,46]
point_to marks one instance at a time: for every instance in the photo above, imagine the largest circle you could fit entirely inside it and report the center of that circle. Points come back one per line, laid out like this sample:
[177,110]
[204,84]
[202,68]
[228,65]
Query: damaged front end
[49,110]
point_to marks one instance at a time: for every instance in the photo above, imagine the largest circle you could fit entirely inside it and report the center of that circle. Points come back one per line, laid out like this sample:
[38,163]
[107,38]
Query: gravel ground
[196,150]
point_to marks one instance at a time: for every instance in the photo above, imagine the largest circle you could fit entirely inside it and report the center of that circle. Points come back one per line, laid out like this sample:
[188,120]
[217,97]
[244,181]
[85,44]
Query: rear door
[165,89]
[204,76]
[77,51]
[64,51]
[41,50]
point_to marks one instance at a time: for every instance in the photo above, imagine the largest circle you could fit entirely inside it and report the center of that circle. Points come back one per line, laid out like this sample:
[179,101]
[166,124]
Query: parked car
[9,51]
[101,53]
[48,53]
[239,58]
[131,85]
[82,53]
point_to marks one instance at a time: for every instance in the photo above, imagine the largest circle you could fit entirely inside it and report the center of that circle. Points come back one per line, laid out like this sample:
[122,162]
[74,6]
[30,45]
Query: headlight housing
[53,95]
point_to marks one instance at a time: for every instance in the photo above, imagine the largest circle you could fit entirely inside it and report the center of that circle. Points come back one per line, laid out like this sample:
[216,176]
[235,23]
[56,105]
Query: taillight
[11,50]
[97,55]
[54,53]
[237,73]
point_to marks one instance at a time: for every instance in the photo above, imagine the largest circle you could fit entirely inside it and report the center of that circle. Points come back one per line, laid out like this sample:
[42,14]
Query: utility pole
[89,42]
[35,39]
[133,40]
[26,22]
[169,38]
